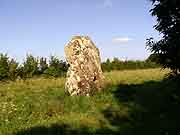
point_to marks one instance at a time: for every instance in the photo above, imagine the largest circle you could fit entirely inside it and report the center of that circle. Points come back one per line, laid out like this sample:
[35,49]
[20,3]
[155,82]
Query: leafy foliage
[13,69]
[39,66]
[153,58]
[42,65]
[167,13]
[56,67]
[3,66]
[30,66]
[117,64]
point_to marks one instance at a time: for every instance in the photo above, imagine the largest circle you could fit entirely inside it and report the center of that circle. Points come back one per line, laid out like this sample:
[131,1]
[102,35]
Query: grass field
[137,102]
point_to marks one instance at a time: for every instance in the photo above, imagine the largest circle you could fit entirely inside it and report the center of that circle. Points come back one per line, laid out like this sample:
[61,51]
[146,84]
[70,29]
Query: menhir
[84,76]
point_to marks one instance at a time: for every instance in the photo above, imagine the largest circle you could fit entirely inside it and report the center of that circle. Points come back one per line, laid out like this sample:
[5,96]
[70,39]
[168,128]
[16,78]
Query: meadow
[135,102]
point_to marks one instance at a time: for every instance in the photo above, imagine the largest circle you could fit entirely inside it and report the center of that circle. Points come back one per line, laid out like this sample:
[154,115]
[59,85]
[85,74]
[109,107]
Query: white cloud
[105,4]
[121,40]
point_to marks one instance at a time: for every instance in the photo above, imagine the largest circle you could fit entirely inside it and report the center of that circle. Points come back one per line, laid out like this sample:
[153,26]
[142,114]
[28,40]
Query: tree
[30,67]
[116,63]
[167,13]
[108,65]
[153,58]
[13,69]
[3,66]
[42,65]
[57,68]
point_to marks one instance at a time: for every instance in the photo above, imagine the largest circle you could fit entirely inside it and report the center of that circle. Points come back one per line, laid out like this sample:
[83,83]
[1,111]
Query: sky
[119,28]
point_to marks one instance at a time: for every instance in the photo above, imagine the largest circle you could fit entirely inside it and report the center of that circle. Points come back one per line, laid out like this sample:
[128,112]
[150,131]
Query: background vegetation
[32,66]
[117,64]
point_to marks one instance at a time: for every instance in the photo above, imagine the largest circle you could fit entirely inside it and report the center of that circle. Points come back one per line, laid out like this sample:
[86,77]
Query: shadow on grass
[153,109]
[64,129]
[55,129]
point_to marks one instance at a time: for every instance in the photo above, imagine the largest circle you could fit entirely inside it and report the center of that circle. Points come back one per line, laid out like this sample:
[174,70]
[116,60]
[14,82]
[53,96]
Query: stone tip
[80,37]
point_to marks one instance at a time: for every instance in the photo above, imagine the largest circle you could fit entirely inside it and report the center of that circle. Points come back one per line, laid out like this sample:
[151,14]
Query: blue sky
[119,28]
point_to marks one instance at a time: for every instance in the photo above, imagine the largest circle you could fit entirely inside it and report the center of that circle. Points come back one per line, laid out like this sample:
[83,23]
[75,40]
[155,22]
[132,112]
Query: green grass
[134,102]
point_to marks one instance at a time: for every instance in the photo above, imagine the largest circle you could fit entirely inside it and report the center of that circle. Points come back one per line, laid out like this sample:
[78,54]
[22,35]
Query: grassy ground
[135,102]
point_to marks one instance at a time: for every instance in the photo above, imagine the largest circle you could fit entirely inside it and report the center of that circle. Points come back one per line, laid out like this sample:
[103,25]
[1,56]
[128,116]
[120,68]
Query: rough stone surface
[84,75]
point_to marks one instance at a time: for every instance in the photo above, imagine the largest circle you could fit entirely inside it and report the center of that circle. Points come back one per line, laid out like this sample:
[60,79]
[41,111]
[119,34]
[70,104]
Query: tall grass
[135,76]
[40,106]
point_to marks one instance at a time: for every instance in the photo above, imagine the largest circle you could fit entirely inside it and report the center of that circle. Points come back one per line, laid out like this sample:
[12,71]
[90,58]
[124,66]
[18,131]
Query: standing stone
[84,75]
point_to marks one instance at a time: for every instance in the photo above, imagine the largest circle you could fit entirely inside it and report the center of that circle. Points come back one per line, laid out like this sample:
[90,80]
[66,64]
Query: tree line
[117,64]
[32,66]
